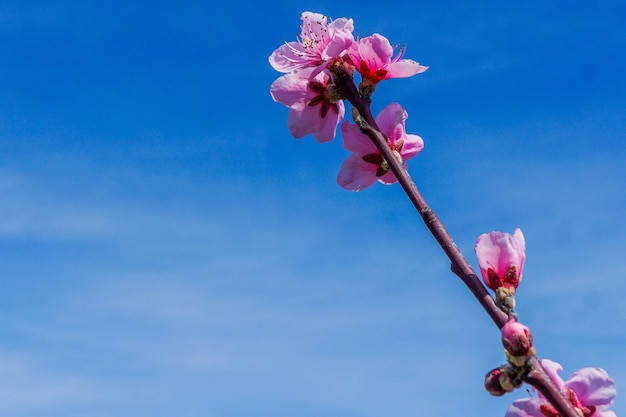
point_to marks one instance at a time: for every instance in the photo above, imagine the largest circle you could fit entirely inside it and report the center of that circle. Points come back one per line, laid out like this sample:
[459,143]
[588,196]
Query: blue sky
[167,249]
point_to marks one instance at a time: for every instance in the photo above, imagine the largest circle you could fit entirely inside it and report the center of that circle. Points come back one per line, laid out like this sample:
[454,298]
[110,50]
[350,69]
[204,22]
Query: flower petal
[355,141]
[593,386]
[605,413]
[342,38]
[290,88]
[389,119]
[404,68]
[304,119]
[388,179]
[285,57]
[525,407]
[355,174]
[376,50]
[413,144]
[328,129]
[519,243]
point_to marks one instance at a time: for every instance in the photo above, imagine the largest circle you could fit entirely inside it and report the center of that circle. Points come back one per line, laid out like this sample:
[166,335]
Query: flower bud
[517,339]
[501,258]
[496,382]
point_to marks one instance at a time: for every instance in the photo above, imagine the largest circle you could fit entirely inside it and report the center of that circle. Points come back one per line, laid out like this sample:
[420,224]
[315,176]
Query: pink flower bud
[517,339]
[501,258]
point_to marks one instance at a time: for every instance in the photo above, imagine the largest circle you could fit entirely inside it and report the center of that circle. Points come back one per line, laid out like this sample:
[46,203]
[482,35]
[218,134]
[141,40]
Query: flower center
[383,165]
[314,33]
[326,96]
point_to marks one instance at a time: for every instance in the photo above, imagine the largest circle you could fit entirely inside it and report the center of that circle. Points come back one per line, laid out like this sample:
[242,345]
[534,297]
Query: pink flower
[501,258]
[314,105]
[372,57]
[366,164]
[320,42]
[590,390]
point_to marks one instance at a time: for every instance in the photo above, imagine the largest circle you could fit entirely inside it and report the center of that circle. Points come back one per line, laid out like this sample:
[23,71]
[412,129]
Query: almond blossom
[372,57]
[319,43]
[590,390]
[313,101]
[501,258]
[366,165]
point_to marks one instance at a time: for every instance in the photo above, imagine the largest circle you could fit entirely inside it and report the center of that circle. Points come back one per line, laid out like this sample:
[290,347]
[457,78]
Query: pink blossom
[501,258]
[372,57]
[366,165]
[314,105]
[319,43]
[590,390]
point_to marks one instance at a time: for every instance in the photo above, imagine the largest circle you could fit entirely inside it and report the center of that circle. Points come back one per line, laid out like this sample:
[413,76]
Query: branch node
[358,119]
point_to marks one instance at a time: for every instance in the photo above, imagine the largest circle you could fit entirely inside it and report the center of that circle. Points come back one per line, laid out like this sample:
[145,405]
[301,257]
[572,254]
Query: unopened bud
[498,382]
[517,339]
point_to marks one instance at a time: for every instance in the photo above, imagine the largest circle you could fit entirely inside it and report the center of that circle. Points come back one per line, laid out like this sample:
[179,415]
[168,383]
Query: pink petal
[519,243]
[341,30]
[388,179]
[288,57]
[605,413]
[404,68]
[375,50]
[355,141]
[525,407]
[593,386]
[289,88]
[355,174]
[303,120]
[328,129]
[413,144]
[389,119]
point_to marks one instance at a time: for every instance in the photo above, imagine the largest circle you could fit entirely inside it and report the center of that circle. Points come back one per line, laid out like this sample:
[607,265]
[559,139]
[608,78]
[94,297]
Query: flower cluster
[316,104]
[590,391]
[317,80]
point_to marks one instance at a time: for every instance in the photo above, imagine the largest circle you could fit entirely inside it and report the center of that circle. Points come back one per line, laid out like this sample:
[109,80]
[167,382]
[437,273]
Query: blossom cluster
[590,391]
[318,80]
[316,103]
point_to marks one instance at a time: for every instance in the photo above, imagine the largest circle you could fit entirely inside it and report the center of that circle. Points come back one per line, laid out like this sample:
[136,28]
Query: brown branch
[361,113]
[459,264]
